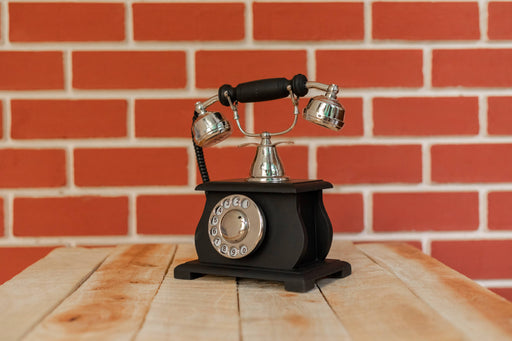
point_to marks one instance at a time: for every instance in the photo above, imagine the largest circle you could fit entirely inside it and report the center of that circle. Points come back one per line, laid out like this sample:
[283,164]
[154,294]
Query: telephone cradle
[270,231]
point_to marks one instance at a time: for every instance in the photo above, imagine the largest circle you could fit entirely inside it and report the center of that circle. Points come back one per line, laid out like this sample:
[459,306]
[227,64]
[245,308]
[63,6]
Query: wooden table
[394,293]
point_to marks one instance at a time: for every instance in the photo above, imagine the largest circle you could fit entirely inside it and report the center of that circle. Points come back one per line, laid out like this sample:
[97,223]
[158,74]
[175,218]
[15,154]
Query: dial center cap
[234,226]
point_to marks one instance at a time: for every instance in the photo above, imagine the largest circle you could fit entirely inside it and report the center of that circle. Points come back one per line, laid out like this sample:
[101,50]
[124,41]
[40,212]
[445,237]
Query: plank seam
[240,334]
[333,310]
[171,259]
[392,273]
[79,284]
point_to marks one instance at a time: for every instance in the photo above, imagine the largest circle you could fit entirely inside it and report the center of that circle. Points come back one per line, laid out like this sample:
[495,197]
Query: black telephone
[266,226]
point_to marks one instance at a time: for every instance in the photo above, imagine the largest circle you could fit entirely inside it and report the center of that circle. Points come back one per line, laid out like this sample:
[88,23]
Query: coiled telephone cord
[201,163]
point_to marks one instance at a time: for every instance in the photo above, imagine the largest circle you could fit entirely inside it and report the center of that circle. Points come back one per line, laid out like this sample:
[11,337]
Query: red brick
[235,162]
[186,21]
[37,22]
[169,214]
[427,211]
[470,163]
[243,66]
[47,119]
[425,20]
[32,168]
[425,116]
[477,259]
[131,166]
[472,68]
[1,119]
[308,21]
[345,211]
[173,117]
[2,227]
[506,293]
[13,260]
[499,213]
[129,69]
[359,164]
[31,70]
[70,216]
[278,115]
[370,68]
[499,118]
[499,20]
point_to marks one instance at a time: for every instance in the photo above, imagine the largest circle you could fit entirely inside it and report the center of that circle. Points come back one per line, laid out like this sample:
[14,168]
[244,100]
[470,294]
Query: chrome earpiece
[209,128]
[325,110]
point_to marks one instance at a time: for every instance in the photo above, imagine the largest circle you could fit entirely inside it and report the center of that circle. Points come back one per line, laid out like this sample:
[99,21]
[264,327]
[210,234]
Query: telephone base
[298,280]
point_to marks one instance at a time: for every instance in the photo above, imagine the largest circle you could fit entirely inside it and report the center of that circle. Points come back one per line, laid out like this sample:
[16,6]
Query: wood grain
[372,304]
[114,300]
[31,295]
[205,308]
[268,312]
[476,311]
[394,293]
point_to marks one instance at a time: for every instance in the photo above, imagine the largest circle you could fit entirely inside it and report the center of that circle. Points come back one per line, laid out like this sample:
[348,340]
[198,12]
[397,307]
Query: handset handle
[263,90]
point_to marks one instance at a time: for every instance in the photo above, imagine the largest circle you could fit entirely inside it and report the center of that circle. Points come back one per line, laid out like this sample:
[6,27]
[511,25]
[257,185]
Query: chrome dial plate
[236,226]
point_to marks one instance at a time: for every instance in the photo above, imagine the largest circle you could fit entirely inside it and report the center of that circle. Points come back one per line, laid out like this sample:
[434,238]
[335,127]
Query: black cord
[201,163]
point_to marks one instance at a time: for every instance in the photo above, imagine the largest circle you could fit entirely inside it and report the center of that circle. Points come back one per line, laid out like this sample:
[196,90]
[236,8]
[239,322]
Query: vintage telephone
[266,226]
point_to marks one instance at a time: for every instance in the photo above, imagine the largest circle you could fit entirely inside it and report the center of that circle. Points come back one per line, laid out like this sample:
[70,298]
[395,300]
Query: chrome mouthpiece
[210,128]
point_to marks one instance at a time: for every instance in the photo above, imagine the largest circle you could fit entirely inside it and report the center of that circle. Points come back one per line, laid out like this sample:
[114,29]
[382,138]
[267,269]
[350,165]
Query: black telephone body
[268,226]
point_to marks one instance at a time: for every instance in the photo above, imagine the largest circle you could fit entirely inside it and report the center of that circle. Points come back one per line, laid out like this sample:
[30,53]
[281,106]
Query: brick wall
[97,98]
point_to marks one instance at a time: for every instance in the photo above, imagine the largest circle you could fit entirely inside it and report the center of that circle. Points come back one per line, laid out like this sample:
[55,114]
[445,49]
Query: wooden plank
[112,303]
[205,308]
[476,311]
[268,312]
[373,304]
[32,294]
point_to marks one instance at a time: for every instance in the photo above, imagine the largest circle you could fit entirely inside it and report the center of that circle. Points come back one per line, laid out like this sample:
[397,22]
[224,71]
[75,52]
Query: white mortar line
[192,165]
[426,164]
[482,116]
[427,68]
[495,283]
[249,121]
[6,120]
[248,24]
[367,17]
[311,63]
[8,216]
[483,210]
[190,61]
[67,60]
[367,116]
[130,120]
[70,168]
[128,23]
[95,240]
[368,212]
[132,216]
[191,93]
[312,161]
[358,237]
[483,18]
[4,23]
[426,245]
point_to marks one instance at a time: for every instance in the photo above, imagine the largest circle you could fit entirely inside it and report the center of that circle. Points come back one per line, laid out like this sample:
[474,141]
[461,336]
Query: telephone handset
[266,226]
